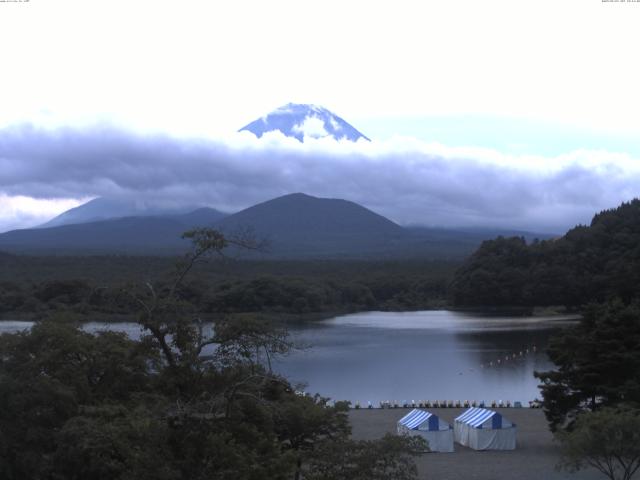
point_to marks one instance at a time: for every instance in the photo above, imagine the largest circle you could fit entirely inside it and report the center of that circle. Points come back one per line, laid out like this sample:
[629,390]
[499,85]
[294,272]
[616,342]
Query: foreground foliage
[180,403]
[607,440]
[390,458]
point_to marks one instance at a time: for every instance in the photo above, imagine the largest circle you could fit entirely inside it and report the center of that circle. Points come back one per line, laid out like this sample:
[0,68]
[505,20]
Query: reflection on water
[448,320]
[431,355]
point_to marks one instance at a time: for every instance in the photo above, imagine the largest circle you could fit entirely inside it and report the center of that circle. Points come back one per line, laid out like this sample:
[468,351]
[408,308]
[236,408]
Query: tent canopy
[483,418]
[420,420]
[483,429]
[436,432]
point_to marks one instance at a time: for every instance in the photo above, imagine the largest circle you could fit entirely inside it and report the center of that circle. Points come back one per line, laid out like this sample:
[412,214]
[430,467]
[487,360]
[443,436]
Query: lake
[430,355]
[405,356]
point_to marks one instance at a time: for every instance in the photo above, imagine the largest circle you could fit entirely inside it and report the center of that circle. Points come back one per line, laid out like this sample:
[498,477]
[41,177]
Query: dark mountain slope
[296,226]
[148,235]
[302,225]
[129,234]
[299,213]
[201,217]
[103,208]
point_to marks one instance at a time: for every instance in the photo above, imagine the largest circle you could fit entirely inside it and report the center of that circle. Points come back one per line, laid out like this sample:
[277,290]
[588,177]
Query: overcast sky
[503,113]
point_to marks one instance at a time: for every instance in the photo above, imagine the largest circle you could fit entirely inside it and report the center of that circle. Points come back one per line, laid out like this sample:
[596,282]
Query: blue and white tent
[437,432]
[483,429]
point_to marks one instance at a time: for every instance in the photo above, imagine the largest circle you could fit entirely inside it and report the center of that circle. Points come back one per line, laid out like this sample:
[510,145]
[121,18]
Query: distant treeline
[36,286]
[589,264]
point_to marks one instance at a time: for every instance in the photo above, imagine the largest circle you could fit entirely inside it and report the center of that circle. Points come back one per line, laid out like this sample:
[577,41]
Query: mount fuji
[303,120]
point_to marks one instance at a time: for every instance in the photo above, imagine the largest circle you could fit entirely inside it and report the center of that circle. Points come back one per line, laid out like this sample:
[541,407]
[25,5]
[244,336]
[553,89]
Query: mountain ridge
[105,208]
[296,226]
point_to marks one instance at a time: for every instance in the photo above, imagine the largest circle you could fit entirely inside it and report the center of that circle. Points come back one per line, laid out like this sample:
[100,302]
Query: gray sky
[508,113]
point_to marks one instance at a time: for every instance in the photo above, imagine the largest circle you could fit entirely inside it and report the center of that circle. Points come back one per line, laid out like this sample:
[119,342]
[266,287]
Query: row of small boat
[449,404]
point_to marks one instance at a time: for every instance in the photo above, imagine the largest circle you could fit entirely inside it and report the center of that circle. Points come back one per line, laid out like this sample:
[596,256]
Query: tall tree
[47,377]
[598,364]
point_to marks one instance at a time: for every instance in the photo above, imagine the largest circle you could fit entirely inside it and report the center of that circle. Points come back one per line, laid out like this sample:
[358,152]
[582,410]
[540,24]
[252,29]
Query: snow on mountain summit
[302,120]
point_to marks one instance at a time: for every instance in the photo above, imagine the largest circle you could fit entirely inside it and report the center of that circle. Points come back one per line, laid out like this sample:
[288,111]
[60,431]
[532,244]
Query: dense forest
[589,264]
[34,287]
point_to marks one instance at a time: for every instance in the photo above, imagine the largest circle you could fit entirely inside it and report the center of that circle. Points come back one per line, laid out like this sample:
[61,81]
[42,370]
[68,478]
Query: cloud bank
[44,171]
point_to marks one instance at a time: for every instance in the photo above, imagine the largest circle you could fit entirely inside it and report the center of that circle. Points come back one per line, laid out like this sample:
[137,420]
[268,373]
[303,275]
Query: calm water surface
[430,355]
[443,355]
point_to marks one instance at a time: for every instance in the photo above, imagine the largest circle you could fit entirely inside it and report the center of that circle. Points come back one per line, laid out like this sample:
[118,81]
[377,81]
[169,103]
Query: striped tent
[436,432]
[483,429]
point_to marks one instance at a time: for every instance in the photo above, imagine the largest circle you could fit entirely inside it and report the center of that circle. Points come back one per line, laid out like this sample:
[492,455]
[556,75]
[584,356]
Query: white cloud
[21,211]
[334,123]
[405,179]
[311,127]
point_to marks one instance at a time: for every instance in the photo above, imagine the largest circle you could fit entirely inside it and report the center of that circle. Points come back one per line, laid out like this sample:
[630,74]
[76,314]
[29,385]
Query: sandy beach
[535,456]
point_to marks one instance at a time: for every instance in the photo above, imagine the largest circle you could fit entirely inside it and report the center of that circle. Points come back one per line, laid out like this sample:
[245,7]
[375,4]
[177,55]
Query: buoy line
[510,357]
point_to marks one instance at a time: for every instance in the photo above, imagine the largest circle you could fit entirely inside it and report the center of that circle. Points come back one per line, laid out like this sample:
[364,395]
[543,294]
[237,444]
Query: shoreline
[299,318]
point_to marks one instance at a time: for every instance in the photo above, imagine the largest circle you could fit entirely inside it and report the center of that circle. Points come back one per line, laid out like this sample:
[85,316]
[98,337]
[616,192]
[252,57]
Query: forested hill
[589,263]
